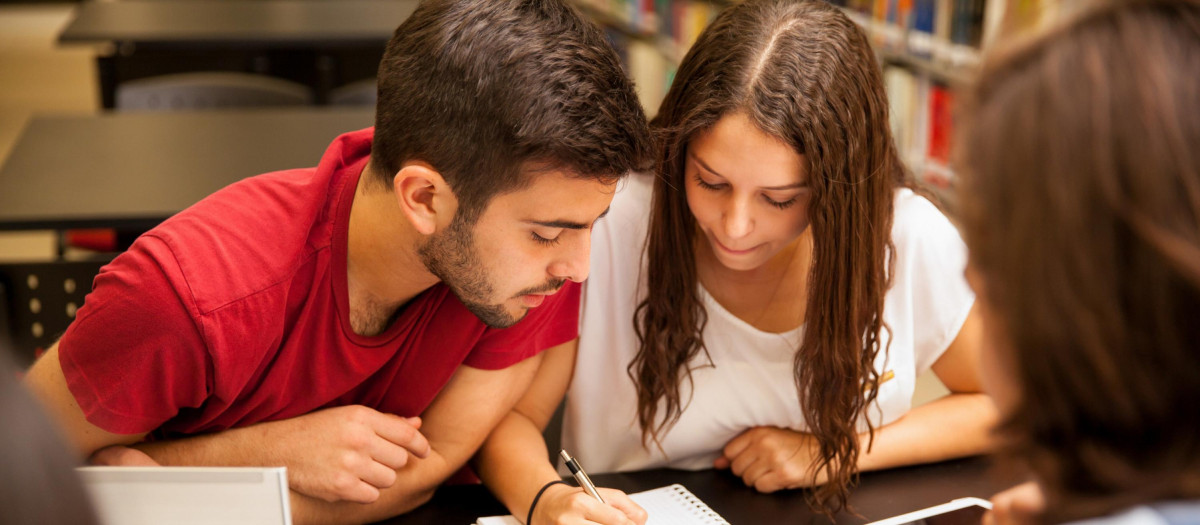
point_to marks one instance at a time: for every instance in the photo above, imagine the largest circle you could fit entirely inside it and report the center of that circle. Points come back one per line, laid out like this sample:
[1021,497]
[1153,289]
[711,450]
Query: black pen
[580,475]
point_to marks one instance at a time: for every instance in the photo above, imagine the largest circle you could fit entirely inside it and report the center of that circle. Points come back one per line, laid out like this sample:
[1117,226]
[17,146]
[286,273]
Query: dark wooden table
[133,170]
[879,495]
[322,43]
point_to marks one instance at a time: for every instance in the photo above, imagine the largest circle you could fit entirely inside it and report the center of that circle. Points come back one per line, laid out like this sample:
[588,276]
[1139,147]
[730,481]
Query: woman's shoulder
[633,197]
[912,207]
[917,220]
[619,237]
[629,213]
[929,299]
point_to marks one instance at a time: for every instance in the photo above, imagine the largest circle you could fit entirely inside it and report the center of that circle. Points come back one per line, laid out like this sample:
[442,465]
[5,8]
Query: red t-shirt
[235,312]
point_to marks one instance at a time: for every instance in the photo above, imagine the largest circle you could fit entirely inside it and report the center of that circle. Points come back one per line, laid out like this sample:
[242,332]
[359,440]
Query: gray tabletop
[275,22]
[879,495]
[136,169]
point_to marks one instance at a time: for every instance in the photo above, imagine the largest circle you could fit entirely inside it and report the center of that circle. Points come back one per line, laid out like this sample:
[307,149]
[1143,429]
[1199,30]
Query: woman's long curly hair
[805,74]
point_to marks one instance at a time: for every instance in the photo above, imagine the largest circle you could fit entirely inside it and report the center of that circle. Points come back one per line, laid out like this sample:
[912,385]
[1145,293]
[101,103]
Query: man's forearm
[323,450]
[415,484]
[241,447]
[251,446]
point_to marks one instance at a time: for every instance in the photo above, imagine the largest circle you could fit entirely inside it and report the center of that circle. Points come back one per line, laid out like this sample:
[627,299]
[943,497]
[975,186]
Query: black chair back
[38,300]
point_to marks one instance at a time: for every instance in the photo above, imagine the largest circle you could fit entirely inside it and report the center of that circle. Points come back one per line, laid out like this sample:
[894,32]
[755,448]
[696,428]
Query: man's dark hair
[484,90]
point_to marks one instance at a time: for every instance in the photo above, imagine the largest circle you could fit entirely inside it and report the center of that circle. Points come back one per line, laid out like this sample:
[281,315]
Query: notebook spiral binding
[696,506]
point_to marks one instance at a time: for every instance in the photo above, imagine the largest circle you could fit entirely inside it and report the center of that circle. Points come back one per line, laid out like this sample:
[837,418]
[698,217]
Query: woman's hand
[566,505]
[1020,505]
[772,458]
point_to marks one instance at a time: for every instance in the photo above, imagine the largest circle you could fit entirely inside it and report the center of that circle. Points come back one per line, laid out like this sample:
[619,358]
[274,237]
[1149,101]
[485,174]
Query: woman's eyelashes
[783,205]
[707,186]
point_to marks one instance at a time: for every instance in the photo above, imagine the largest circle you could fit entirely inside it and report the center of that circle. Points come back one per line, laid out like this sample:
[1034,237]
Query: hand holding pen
[580,476]
[589,506]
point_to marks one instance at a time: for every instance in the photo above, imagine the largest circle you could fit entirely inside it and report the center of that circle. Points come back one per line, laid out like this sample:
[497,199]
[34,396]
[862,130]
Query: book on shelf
[921,123]
[947,31]
[680,21]
[689,18]
[651,37]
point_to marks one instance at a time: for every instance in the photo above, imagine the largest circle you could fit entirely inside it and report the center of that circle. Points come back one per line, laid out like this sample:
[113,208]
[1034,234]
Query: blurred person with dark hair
[39,482]
[764,301]
[1081,209]
[365,323]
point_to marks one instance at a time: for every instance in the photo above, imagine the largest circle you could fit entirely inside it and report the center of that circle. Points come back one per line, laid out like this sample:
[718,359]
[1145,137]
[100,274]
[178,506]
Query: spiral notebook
[669,505]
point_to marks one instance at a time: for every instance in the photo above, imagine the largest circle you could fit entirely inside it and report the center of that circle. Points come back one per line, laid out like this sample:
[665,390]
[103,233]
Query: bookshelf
[927,48]
[652,37]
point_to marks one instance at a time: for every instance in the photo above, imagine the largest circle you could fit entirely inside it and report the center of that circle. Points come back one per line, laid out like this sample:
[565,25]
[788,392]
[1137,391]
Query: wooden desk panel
[136,169]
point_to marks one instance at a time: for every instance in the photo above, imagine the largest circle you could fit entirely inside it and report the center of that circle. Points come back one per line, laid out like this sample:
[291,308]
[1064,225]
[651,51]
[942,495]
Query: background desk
[135,169]
[879,495]
[321,43]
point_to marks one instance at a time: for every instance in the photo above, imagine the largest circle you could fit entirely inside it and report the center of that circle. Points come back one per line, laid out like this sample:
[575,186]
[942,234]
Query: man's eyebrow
[569,225]
[795,186]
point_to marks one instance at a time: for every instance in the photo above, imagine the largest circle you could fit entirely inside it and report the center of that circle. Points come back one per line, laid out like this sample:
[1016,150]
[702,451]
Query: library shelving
[926,47]
[652,36]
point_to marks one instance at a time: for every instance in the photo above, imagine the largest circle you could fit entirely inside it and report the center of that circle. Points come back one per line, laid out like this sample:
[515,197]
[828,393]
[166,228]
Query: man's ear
[424,197]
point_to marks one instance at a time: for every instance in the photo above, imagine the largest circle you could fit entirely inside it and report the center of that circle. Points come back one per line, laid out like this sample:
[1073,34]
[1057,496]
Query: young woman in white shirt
[764,302]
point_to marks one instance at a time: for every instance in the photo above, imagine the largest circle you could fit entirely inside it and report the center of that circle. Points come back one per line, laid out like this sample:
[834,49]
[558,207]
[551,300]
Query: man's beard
[451,256]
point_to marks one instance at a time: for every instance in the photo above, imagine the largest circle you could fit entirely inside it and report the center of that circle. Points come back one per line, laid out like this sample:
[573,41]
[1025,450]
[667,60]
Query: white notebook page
[676,505]
[669,505]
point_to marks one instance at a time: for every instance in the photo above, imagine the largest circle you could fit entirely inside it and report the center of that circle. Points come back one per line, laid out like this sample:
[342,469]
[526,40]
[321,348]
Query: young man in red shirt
[367,322]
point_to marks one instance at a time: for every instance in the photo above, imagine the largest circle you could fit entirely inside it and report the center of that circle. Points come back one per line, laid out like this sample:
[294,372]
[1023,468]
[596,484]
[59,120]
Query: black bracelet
[529,519]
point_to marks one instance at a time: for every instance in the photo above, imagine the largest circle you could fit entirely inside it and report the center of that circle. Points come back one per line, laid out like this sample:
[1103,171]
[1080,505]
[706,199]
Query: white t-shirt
[750,381]
[1163,513]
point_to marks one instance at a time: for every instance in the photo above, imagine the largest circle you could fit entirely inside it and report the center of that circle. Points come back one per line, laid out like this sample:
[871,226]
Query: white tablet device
[964,511]
[189,495]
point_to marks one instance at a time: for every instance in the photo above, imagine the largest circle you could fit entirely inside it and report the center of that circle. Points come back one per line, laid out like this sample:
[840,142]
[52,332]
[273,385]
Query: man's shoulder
[247,237]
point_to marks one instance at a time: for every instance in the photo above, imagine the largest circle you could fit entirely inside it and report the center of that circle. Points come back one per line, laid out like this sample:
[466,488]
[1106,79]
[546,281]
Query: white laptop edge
[933,511]
[275,478]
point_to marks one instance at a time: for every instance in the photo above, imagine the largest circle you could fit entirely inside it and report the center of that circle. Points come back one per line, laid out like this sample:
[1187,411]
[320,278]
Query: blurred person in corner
[1081,211]
[38,484]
